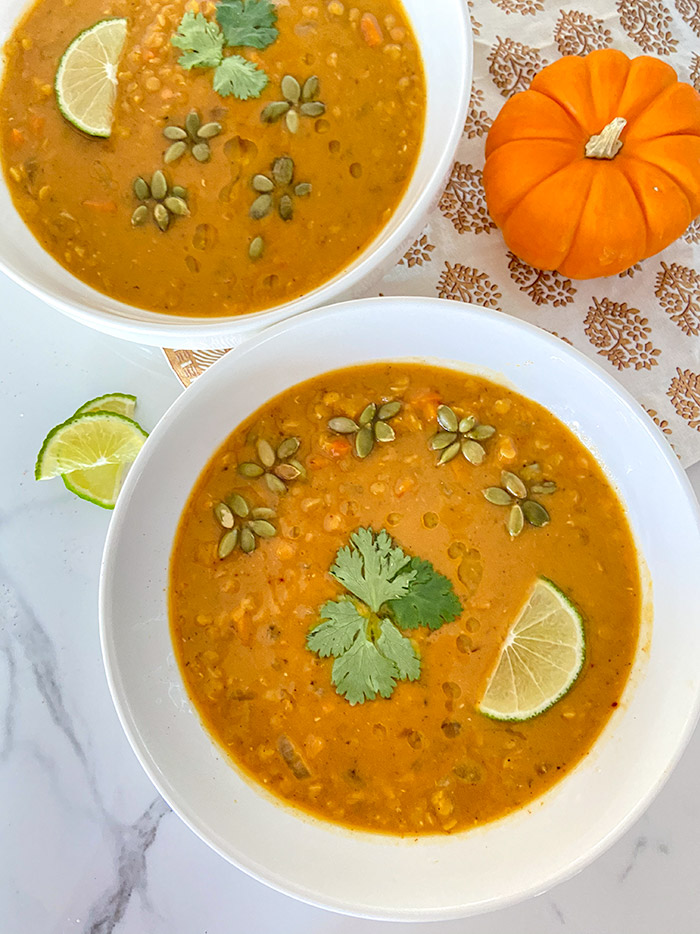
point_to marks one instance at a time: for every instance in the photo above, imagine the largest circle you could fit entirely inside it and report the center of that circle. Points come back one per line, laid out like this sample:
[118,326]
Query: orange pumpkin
[597,165]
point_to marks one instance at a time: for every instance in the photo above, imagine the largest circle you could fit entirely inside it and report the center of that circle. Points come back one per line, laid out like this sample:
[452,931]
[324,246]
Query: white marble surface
[87,844]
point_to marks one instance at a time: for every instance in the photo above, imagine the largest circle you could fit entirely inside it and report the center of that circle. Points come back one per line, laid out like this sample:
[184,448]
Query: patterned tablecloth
[643,326]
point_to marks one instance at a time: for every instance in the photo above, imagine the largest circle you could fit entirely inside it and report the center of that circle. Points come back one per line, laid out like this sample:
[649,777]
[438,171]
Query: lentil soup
[292,166]
[297,534]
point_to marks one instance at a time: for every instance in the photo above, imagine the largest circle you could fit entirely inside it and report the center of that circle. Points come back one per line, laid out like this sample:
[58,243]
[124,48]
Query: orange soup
[360,566]
[251,152]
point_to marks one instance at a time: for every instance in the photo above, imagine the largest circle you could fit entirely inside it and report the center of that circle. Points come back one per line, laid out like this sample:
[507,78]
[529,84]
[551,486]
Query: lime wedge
[119,402]
[86,80]
[541,658]
[89,440]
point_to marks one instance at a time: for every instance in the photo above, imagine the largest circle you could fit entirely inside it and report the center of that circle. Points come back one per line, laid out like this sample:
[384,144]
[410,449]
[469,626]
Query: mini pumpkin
[597,165]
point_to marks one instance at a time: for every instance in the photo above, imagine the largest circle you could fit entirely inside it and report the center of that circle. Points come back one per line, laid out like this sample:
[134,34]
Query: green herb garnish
[240,23]
[390,590]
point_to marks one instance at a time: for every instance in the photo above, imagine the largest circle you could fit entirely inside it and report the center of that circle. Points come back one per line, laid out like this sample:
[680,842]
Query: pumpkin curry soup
[404,598]
[209,158]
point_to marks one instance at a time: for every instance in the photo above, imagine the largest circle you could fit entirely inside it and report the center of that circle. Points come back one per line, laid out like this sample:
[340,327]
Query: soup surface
[354,142]
[423,759]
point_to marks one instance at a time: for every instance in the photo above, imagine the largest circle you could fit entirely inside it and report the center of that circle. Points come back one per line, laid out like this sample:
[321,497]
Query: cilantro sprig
[240,23]
[388,591]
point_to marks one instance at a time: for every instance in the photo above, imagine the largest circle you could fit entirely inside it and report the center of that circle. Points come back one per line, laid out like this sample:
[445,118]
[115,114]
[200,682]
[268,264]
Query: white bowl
[444,36]
[361,873]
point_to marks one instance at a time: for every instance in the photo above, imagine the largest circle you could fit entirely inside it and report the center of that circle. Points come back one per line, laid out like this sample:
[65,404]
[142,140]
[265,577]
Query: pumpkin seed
[192,123]
[302,189]
[224,516]
[313,109]
[535,514]
[497,496]
[256,248]
[368,414]
[283,170]
[174,132]
[239,505]
[266,454]
[159,185]
[286,208]
[292,121]
[227,543]
[179,192]
[442,440]
[530,471]
[161,216]
[141,189]
[174,152]
[515,521]
[384,432]
[449,453]
[273,111]
[364,441]
[299,466]
[288,447]
[209,130]
[250,470]
[311,88]
[286,472]
[388,410]
[263,528]
[473,451]
[513,484]
[247,541]
[139,216]
[262,183]
[263,512]
[201,152]
[291,90]
[447,418]
[274,484]
[260,207]
[177,206]
[466,424]
[544,488]
[482,432]
[342,425]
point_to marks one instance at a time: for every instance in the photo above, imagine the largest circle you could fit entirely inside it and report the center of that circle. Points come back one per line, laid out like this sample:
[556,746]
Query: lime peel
[89,440]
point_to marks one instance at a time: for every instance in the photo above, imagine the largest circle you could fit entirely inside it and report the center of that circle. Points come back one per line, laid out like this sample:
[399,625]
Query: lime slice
[86,80]
[119,402]
[541,658]
[98,485]
[89,440]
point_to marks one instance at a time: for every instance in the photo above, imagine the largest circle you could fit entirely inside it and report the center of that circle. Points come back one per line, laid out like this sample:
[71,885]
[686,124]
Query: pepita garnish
[465,434]
[242,525]
[256,248]
[277,186]
[298,102]
[169,202]
[193,136]
[513,492]
[372,425]
[278,467]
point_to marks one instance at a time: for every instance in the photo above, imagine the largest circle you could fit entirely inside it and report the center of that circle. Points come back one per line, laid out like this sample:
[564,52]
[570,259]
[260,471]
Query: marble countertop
[87,844]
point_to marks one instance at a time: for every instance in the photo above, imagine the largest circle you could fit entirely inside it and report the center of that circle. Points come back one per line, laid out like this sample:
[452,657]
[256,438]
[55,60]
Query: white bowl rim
[187,813]
[185,331]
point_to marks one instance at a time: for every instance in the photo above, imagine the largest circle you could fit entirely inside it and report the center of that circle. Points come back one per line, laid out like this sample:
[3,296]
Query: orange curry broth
[75,193]
[425,760]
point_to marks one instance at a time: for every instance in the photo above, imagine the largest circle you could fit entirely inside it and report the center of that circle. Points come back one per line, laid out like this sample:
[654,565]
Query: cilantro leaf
[202,41]
[248,22]
[373,568]
[400,650]
[239,77]
[340,624]
[363,672]
[429,601]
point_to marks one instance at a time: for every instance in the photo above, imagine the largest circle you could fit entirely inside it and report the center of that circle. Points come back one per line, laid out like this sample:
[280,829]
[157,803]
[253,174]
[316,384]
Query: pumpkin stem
[606,144]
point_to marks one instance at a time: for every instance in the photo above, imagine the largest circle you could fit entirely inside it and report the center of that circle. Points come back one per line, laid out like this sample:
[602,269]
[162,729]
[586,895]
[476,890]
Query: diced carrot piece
[338,447]
[403,486]
[371,30]
[103,207]
[17,137]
